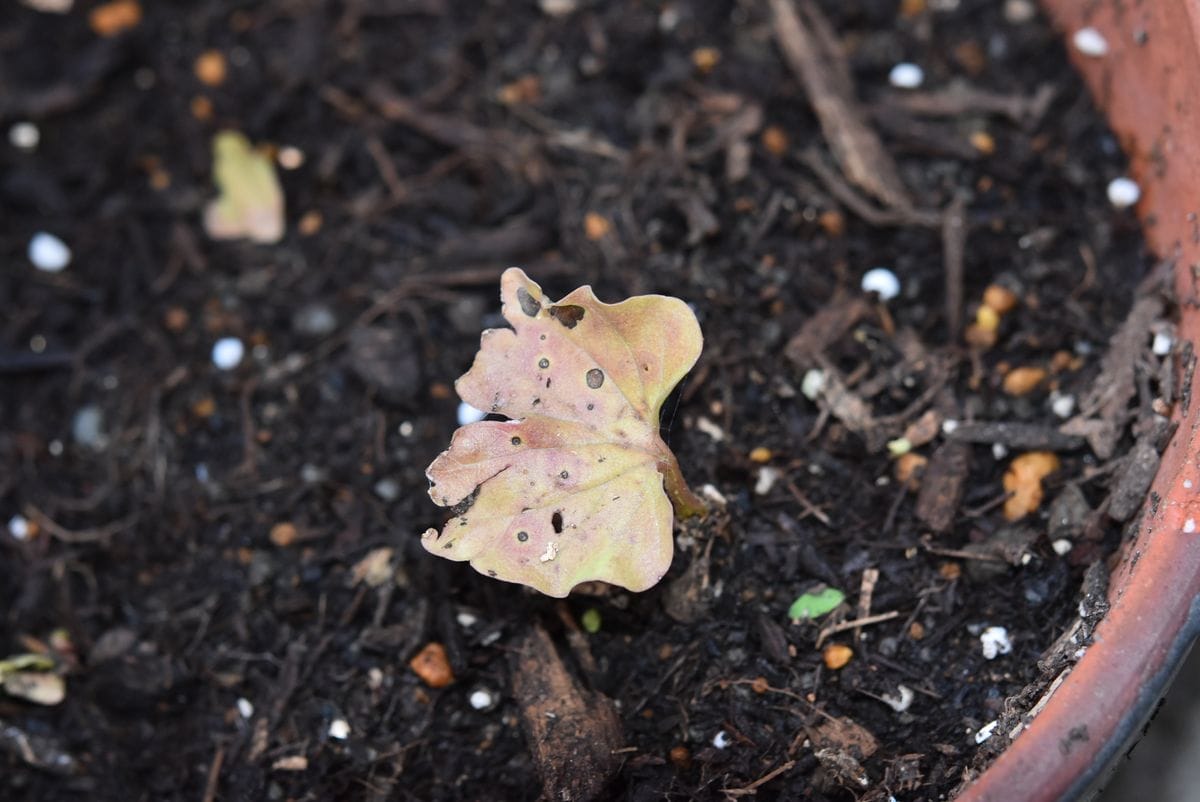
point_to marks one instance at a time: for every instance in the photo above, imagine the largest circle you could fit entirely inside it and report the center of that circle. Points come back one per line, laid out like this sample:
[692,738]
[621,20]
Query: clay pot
[1148,85]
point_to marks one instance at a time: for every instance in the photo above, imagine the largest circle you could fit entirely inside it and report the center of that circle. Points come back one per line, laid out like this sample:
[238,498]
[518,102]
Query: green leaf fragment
[24,662]
[815,605]
[590,620]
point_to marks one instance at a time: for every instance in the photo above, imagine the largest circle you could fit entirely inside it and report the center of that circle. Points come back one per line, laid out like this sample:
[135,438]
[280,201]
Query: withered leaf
[578,485]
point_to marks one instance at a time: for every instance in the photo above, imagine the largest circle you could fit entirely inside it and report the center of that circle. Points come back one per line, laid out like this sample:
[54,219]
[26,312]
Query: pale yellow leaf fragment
[250,205]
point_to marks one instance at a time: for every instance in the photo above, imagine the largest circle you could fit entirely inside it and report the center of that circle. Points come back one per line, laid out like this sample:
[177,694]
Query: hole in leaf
[522,536]
[516,441]
[556,522]
[543,363]
[595,378]
[563,475]
[528,304]
[569,314]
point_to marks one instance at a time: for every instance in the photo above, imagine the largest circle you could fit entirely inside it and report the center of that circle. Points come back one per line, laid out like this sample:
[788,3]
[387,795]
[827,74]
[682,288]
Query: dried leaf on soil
[251,201]
[572,488]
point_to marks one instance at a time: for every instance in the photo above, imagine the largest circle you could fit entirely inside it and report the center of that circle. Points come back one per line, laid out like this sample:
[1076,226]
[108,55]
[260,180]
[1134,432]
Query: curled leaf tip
[577,485]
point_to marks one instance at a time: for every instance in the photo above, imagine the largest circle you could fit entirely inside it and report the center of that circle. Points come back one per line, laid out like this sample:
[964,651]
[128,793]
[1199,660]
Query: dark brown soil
[152,579]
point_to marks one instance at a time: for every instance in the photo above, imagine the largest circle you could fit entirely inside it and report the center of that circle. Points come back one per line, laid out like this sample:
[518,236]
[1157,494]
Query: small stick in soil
[752,788]
[987,506]
[100,534]
[849,197]
[894,509]
[809,507]
[960,98]
[387,169]
[579,641]
[1015,435]
[865,591]
[214,775]
[857,623]
[811,50]
[41,751]
[954,245]
[757,685]
[963,555]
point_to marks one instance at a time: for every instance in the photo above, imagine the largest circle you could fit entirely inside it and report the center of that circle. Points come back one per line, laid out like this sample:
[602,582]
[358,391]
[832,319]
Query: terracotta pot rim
[1133,725]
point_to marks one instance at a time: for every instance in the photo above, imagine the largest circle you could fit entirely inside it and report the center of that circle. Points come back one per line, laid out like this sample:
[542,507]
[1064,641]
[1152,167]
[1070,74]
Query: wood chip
[1134,481]
[1104,410]
[573,734]
[924,429]
[942,485]
[830,324]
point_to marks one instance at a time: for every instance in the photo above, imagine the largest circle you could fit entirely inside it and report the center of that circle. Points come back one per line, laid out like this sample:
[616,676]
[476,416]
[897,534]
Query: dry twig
[810,49]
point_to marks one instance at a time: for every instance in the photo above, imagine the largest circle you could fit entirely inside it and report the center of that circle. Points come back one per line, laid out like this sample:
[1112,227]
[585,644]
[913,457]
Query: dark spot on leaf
[542,337]
[543,363]
[595,378]
[516,441]
[491,572]
[563,475]
[616,498]
[522,536]
[556,522]
[536,401]
[449,545]
[465,504]
[569,315]
[602,459]
[591,406]
[528,304]
[547,382]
